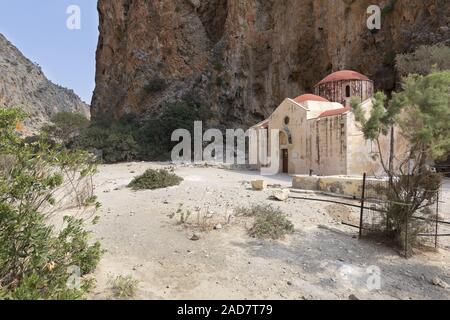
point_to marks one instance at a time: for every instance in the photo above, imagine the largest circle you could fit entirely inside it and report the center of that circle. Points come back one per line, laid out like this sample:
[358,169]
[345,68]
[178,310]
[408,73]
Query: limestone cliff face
[22,84]
[242,58]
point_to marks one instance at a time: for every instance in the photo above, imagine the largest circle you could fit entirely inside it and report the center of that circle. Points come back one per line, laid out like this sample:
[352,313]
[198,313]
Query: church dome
[344,75]
[309,97]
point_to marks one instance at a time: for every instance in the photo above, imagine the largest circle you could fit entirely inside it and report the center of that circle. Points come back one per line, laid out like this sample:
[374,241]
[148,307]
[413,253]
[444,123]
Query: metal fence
[427,227]
[424,228]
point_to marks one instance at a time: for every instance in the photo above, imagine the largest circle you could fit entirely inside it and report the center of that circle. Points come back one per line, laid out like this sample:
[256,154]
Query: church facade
[318,132]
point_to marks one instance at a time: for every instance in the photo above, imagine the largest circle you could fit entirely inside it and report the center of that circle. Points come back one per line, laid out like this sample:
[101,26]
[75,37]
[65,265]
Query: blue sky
[38,28]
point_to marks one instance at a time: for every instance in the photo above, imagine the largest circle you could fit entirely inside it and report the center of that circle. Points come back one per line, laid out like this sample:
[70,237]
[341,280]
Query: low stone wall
[342,185]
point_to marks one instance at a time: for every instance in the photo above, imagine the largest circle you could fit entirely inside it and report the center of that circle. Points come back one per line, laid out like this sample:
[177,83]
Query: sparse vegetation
[38,261]
[388,8]
[270,223]
[424,60]
[219,67]
[124,287]
[389,59]
[65,125]
[220,82]
[155,85]
[155,179]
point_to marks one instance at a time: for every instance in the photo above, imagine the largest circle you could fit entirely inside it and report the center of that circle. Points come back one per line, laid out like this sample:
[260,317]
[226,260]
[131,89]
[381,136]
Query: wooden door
[285,161]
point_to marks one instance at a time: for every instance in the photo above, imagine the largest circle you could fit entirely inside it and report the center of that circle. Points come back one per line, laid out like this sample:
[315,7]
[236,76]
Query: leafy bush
[129,139]
[65,125]
[35,257]
[154,137]
[155,179]
[116,141]
[270,223]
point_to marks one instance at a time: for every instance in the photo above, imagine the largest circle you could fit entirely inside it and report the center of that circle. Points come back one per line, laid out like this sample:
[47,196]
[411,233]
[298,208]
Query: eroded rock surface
[242,58]
[24,85]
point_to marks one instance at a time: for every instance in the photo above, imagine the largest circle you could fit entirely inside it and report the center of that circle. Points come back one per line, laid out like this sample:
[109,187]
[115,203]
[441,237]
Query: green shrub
[155,179]
[424,60]
[270,223]
[155,85]
[130,138]
[389,8]
[116,142]
[154,136]
[389,59]
[65,125]
[35,257]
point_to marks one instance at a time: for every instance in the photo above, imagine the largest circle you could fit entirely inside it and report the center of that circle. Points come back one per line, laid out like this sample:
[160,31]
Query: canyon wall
[24,85]
[241,58]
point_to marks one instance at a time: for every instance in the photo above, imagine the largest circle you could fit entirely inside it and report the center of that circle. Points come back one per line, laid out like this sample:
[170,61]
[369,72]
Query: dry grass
[124,287]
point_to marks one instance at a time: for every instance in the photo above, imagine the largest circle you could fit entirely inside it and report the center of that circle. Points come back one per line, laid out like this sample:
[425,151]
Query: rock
[439,283]
[215,42]
[259,185]
[195,237]
[218,227]
[281,194]
[352,297]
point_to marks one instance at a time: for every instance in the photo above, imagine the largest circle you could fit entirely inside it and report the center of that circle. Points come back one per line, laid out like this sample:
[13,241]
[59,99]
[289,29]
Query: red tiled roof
[343,75]
[334,112]
[309,97]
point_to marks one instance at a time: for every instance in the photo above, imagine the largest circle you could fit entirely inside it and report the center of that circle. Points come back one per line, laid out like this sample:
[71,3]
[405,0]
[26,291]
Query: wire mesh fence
[400,222]
[407,227]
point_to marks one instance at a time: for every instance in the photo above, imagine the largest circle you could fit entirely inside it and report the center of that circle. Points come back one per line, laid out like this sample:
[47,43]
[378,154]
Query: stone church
[318,132]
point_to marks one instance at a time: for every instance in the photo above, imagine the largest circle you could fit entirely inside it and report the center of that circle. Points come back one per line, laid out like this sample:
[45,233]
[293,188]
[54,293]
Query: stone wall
[340,185]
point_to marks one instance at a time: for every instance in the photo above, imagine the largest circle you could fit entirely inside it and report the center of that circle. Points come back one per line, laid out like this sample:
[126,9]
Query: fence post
[363,197]
[437,221]
[406,237]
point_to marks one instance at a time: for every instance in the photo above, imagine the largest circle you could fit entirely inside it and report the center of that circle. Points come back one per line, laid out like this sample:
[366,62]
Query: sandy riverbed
[316,262]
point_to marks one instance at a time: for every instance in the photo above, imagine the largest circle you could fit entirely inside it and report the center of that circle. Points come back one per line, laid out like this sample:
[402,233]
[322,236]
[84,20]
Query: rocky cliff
[242,58]
[22,84]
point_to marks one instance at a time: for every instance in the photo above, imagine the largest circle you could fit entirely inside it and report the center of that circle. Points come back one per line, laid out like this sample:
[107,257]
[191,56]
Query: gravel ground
[322,260]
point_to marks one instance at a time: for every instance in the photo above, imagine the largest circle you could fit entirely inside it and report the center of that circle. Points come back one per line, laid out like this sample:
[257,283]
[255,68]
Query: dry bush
[155,179]
[270,223]
[124,287]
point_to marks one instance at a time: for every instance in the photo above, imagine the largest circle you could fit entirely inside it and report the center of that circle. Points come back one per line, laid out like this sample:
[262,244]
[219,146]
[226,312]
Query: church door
[285,161]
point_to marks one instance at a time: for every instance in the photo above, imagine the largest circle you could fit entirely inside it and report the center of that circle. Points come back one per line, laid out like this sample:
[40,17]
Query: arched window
[348,92]
[287,120]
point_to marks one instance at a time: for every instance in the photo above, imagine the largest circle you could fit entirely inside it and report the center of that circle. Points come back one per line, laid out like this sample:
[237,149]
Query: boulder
[439,283]
[281,194]
[259,185]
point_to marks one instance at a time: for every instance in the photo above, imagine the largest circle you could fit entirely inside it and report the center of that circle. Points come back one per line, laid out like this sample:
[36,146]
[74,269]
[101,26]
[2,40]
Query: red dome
[309,97]
[344,75]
